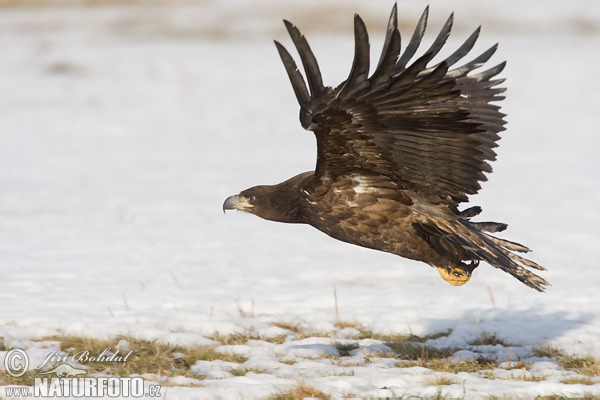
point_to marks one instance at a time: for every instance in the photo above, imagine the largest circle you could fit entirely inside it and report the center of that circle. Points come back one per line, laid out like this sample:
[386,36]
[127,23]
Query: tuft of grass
[412,345]
[234,339]
[410,338]
[578,381]
[276,339]
[239,338]
[348,324]
[444,365]
[519,365]
[344,349]
[547,351]
[364,332]
[190,356]
[489,374]
[431,336]
[292,327]
[300,391]
[587,366]
[244,371]
[529,378]
[490,339]
[440,380]
[415,351]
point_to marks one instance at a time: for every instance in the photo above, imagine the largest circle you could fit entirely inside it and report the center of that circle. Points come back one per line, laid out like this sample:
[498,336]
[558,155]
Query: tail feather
[470,212]
[490,226]
[526,262]
[513,246]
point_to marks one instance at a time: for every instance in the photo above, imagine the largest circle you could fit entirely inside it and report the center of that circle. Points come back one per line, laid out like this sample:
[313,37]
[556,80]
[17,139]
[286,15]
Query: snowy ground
[123,129]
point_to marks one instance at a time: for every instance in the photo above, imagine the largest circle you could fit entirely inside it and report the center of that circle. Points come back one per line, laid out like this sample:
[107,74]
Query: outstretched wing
[429,128]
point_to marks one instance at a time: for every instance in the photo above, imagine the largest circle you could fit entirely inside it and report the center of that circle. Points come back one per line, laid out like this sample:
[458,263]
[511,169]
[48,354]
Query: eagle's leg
[458,275]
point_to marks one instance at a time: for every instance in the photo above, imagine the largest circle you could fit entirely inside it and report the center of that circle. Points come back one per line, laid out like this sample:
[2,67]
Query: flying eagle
[397,152]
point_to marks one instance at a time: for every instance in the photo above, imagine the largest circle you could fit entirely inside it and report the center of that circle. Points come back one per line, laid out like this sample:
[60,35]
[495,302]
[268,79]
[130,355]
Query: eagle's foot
[459,275]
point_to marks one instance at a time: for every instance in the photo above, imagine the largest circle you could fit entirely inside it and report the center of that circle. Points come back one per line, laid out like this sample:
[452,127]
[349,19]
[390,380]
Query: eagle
[397,152]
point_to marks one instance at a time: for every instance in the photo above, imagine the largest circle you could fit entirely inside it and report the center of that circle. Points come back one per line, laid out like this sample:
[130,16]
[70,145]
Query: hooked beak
[236,202]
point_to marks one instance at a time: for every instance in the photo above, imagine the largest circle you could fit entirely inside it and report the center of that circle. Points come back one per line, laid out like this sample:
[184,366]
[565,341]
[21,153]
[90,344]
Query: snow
[124,128]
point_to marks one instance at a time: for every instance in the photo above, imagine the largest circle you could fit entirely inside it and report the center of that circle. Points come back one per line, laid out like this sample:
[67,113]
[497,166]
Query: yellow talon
[456,276]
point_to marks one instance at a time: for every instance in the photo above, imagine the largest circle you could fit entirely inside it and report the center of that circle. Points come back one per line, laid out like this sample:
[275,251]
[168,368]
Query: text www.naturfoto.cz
[85,387]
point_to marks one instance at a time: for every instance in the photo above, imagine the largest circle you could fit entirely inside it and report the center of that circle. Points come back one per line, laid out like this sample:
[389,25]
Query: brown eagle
[397,151]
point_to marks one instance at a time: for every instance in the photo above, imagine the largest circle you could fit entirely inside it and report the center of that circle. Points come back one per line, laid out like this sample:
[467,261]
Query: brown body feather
[396,154]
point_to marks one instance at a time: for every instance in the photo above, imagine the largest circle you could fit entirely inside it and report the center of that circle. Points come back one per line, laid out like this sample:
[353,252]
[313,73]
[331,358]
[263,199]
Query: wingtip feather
[357,79]
[311,67]
[296,79]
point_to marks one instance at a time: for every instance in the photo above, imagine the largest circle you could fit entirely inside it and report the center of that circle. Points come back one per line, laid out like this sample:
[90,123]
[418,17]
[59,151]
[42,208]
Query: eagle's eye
[252,199]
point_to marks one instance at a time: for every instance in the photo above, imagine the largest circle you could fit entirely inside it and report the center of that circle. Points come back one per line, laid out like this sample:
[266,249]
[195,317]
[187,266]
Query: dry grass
[292,327]
[523,376]
[441,380]
[244,371]
[489,339]
[431,336]
[233,340]
[238,338]
[364,332]
[407,350]
[520,365]
[444,365]
[529,378]
[301,333]
[300,391]
[580,380]
[587,366]
[547,351]
[410,338]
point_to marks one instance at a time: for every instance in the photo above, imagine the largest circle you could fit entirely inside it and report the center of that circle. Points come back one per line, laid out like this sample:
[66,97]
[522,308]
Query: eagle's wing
[431,129]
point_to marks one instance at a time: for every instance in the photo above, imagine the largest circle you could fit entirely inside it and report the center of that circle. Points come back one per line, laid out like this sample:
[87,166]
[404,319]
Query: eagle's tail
[500,252]
[464,243]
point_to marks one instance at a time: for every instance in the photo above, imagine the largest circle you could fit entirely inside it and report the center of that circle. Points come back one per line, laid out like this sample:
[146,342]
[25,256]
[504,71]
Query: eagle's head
[268,202]
[280,203]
